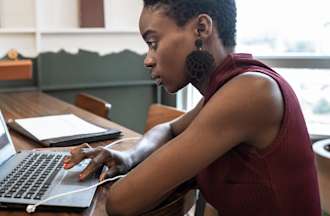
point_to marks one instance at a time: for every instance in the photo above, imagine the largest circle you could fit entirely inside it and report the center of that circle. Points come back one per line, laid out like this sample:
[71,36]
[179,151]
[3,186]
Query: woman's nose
[149,62]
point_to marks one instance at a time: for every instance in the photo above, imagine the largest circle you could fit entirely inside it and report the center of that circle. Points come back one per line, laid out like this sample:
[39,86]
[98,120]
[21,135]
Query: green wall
[119,78]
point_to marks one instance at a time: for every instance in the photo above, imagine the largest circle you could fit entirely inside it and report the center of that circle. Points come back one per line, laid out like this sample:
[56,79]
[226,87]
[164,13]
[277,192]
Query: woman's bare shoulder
[256,101]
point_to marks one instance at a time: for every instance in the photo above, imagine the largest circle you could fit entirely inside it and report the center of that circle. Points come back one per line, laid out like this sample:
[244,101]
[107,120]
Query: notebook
[61,130]
[29,176]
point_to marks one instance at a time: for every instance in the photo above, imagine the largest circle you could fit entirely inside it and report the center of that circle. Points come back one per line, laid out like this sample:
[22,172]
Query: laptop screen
[6,146]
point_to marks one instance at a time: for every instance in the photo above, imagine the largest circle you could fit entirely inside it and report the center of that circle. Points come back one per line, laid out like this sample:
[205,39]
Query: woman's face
[168,46]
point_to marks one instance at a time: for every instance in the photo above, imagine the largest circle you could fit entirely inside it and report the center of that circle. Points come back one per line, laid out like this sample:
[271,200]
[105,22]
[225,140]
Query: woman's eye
[152,44]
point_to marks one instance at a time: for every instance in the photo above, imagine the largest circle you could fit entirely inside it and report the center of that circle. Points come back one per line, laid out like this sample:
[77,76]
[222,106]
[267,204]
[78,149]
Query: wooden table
[31,104]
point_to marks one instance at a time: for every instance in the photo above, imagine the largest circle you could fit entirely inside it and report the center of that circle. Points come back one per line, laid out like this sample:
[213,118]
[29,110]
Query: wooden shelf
[17,31]
[89,31]
[69,31]
[16,70]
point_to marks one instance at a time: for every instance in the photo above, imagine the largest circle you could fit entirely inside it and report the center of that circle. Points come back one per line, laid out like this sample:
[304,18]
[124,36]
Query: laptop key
[18,196]
[28,196]
[31,192]
[37,197]
[8,195]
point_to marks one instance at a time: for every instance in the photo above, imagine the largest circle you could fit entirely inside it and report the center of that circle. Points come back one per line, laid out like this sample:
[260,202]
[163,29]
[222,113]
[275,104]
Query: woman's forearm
[151,141]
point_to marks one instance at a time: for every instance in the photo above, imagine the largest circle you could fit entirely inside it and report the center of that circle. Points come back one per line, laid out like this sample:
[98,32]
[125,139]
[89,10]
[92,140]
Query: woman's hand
[117,162]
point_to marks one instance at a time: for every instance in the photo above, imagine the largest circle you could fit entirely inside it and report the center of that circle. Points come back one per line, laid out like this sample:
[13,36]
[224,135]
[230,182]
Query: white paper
[49,127]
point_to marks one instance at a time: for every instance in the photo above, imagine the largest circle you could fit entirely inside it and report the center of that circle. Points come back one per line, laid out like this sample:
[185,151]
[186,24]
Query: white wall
[51,25]
[123,13]
[17,13]
[58,14]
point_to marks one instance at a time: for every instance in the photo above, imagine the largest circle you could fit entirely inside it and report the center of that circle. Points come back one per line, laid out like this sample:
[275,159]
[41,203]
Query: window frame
[299,62]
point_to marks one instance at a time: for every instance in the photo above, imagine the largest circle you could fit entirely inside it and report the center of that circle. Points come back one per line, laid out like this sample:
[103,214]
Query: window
[281,27]
[294,38]
[312,87]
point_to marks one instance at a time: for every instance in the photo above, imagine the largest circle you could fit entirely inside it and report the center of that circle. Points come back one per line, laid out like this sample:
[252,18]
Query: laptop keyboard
[31,179]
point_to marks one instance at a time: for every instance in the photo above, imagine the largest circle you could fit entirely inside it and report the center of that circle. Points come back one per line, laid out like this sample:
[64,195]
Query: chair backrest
[159,114]
[93,104]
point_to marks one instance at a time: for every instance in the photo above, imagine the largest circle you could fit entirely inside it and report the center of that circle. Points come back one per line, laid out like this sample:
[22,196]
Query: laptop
[27,177]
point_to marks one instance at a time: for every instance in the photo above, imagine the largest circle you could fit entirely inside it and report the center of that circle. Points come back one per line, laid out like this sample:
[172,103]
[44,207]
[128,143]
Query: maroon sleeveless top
[278,181]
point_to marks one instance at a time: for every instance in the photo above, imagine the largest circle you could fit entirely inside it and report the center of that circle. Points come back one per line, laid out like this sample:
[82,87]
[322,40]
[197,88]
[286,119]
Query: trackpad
[71,176]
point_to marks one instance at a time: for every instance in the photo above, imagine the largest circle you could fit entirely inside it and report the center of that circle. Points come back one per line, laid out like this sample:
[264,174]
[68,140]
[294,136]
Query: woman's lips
[158,81]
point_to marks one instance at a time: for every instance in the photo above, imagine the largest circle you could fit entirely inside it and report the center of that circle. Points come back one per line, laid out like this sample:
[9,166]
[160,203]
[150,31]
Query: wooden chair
[159,114]
[93,104]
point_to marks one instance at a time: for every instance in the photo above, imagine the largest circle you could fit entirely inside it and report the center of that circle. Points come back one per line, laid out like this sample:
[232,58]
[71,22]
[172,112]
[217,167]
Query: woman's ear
[204,26]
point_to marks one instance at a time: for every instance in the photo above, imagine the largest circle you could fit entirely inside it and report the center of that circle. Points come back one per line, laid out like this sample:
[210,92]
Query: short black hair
[223,12]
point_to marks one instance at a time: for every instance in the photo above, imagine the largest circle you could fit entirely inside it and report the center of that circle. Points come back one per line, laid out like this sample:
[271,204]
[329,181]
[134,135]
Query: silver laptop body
[28,177]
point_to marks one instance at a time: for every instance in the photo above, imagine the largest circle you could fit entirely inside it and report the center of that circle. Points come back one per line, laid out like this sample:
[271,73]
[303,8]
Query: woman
[245,143]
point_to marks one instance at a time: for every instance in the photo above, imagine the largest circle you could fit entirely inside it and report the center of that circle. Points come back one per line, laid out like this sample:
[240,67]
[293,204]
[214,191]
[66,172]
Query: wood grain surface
[31,104]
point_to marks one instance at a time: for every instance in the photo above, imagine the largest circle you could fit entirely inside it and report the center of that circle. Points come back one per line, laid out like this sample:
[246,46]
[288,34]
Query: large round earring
[199,62]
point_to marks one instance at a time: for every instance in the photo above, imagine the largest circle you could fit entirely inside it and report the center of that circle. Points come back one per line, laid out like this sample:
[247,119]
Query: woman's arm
[237,113]
[121,161]
[161,134]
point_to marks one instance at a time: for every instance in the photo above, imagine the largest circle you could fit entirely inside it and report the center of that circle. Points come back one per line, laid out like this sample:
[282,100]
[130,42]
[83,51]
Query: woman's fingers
[78,154]
[75,151]
[109,173]
[98,156]
[96,162]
